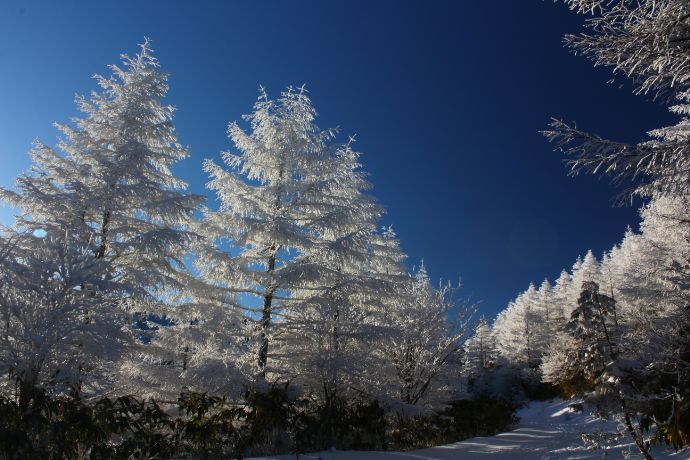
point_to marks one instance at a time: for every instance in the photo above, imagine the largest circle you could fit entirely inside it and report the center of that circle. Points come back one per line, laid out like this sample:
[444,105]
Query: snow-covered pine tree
[294,208]
[514,330]
[544,301]
[584,270]
[262,211]
[559,342]
[590,324]
[112,173]
[559,294]
[479,351]
[549,318]
[327,341]
[110,184]
[582,357]
[565,295]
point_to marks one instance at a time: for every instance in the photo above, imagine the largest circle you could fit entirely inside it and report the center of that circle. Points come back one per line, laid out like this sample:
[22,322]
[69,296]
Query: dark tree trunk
[266,315]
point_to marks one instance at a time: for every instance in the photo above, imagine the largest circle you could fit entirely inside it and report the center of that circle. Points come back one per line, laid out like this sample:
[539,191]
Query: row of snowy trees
[524,331]
[618,329]
[116,280]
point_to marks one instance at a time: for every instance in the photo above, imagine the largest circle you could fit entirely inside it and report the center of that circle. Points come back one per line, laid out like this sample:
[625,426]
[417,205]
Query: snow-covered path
[547,431]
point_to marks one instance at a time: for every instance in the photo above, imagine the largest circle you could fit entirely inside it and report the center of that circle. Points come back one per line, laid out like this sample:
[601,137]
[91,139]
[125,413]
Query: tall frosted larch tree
[331,329]
[479,351]
[262,211]
[584,270]
[111,177]
[549,318]
[559,294]
[514,329]
[109,183]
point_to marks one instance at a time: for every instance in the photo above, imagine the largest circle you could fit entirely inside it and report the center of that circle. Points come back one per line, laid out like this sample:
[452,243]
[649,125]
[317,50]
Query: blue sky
[446,100]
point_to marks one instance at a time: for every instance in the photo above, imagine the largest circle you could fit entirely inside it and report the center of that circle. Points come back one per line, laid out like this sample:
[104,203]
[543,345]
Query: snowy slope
[547,430]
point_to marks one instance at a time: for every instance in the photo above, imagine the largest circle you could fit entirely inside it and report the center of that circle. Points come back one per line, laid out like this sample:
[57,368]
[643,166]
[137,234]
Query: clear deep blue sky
[446,99]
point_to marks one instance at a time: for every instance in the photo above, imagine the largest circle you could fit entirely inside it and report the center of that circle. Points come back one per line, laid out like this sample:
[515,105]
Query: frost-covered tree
[274,209]
[548,317]
[421,355]
[544,302]
[514,330]
[630,360]
[590,325]
[560,343]
[651,284]
[479,357]
[479,349]
[525,329]
[59,330]
[578,357]
[596,361]
[328,338]
[109,185]
[647,41]
[559,295]
[622,267]
[583,270]
[110,179]
[646,274]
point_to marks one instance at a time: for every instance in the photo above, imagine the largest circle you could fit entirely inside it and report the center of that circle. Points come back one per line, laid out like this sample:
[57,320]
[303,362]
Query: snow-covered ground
[547,430]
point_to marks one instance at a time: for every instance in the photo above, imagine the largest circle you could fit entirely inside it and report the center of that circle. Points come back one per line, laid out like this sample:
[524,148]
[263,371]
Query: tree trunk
[266,314]
[639,440]
[29,396]
[336,338]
